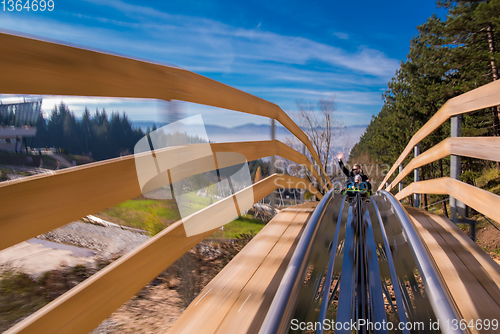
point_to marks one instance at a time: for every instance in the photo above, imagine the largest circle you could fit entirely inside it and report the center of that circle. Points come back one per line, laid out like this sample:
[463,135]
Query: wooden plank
[483,97]
[63,196]
[461,272]
[487,148]
[250,309]
[481,200]
[31,66]
[472,301]
[210,308]
[211,305]
[482,266]
[297,210]
[40,203]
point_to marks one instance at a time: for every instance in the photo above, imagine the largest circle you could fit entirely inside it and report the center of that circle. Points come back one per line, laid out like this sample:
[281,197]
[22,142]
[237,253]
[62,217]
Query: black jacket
[351,174]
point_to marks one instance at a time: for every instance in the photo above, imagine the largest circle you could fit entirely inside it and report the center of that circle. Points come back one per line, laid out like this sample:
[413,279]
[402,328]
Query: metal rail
[282,305]
[328,280]
[438,297]
[394,277]
[359,240]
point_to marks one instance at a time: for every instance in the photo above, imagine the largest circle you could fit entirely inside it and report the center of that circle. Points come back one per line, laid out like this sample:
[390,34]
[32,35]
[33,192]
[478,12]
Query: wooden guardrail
[483,97]
[69,194]
[85,306]
[40,203]
[478,199]
[31,66]
[487,148]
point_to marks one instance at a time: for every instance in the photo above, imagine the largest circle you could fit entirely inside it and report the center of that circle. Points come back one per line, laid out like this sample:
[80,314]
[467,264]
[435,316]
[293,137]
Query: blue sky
[278,50]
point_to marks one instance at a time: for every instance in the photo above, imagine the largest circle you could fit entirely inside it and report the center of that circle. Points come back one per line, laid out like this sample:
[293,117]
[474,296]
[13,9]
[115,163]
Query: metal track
[360,262]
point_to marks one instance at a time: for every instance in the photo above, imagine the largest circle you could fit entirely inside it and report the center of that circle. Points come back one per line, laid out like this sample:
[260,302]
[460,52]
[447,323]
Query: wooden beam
[31,66]
[85,306]
[481,200]
[483,97]
[258,149]
[487,148]
[62,196]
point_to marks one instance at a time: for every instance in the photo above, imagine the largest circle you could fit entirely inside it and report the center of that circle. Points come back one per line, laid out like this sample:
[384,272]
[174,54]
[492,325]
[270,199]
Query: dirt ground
[153,310]
[158,305]
[488,238]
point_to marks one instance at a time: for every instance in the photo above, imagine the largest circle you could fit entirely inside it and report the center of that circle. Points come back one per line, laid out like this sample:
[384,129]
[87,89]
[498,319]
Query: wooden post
[416,177]
[401,182]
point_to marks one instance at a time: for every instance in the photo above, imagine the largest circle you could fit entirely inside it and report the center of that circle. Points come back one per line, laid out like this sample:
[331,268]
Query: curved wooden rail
[478,199]
[258,149]
[483,97]
[487,148]
[85,306]
[69,194]
[31,66]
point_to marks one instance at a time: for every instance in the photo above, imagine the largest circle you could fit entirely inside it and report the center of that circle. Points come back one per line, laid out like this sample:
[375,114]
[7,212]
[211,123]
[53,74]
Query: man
[356,170]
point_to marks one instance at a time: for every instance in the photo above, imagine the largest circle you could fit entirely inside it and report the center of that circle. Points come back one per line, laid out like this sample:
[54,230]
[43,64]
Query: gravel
[110,241]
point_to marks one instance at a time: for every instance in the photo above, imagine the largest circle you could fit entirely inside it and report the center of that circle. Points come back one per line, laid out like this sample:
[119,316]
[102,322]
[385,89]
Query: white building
[17,123]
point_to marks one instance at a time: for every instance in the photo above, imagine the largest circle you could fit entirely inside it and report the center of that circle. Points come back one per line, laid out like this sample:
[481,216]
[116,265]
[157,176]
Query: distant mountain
[144,124]
[252,132]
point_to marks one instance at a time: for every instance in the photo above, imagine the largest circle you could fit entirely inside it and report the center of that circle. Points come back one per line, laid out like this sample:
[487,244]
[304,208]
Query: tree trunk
[494,71]
[445,211]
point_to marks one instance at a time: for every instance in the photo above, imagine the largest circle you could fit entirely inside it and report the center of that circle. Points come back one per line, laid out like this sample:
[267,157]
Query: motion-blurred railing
[38,204]
[487,148]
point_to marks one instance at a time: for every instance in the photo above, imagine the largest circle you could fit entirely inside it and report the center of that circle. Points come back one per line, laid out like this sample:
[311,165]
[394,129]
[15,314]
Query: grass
[20,295]
[154,215]
[194,203]
[489,180]
[136,212]
[241,226]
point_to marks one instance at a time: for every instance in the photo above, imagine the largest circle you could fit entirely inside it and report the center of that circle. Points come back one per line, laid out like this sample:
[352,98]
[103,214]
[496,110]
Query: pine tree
[447,58]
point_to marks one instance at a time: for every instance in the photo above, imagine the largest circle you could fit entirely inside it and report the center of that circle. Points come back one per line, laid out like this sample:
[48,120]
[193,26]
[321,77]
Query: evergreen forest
[448,57]
[97,135]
